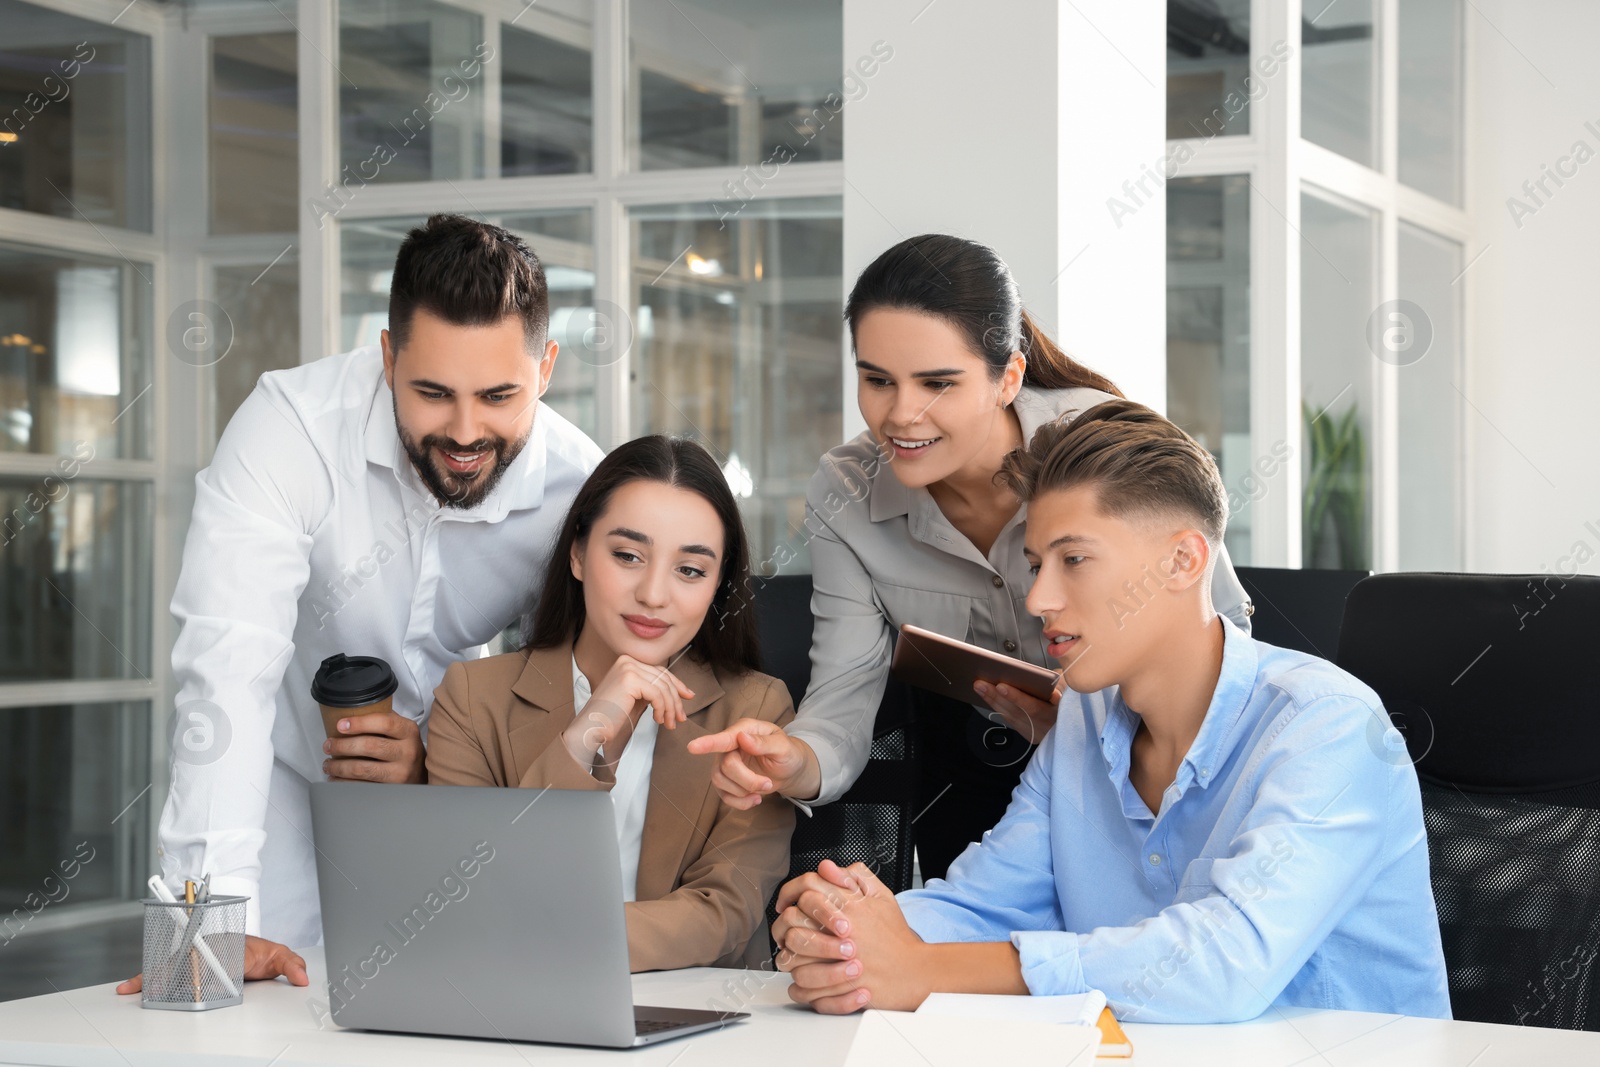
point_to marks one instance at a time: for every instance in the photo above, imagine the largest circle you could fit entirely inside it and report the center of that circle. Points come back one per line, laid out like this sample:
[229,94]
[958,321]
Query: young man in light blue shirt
[1213,827]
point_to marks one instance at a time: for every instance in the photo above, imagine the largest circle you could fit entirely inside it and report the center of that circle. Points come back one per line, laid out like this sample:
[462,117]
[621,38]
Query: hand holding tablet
[950,668]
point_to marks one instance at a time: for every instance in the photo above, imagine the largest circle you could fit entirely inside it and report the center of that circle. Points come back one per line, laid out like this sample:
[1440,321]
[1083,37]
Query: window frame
[608,191]
[148,252]
[181,256]
[1280,164]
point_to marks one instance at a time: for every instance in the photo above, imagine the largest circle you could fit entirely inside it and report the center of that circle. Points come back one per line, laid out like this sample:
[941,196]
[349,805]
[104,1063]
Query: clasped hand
[843,938]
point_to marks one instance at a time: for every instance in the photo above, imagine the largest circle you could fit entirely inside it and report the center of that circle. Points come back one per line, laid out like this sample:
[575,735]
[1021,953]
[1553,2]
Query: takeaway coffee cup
[352,685]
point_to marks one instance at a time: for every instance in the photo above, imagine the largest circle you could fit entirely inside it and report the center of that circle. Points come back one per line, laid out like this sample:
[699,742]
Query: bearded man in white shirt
[396,501]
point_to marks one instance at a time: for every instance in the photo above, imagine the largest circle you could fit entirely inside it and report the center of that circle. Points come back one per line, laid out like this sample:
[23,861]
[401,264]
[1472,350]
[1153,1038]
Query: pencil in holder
[193,954]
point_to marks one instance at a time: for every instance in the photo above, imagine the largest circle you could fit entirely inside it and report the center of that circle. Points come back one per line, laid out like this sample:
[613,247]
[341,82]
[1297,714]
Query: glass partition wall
[1317,268]
[79,270]
[169,231]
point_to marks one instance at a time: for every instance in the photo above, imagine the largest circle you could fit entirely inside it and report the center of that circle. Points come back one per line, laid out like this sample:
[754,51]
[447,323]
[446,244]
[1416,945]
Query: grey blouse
[883,555]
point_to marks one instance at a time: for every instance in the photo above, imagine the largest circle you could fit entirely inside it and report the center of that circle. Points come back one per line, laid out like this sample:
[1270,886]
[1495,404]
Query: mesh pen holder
[193,954]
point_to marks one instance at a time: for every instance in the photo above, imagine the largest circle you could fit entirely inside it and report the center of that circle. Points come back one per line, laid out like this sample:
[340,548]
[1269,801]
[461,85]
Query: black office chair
[1298,609]
[1494,682]
[871,823]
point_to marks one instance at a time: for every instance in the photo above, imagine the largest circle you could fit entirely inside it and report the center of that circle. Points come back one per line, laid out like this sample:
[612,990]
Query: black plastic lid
[352,681]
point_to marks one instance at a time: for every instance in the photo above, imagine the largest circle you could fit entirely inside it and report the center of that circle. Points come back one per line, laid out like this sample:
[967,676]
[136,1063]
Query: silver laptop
[477,912]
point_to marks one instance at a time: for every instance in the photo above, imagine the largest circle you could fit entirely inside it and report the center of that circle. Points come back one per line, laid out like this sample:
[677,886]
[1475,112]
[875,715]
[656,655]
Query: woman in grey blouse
[907,525]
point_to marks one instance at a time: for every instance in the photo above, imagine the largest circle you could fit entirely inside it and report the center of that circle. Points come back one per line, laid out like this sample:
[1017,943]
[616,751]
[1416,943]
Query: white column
[1015,124]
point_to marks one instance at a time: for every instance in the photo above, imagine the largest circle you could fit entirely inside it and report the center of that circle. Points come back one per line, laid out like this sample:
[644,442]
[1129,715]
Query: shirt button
[1011,646]
[998,581]
[1205,772]
[1155,859]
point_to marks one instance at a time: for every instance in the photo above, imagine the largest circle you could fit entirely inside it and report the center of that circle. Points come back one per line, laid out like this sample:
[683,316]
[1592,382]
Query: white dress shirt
[631,792]
[312,534]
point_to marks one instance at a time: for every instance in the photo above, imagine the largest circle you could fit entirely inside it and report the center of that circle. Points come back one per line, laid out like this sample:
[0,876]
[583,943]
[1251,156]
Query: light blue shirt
[1287,865]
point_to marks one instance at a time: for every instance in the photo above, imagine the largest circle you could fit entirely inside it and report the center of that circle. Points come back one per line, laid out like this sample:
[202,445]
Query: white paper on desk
[913,1039]
[1077,1009]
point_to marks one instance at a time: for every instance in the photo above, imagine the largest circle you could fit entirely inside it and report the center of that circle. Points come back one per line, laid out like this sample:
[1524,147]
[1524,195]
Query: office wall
[1013,123]
[1534,360]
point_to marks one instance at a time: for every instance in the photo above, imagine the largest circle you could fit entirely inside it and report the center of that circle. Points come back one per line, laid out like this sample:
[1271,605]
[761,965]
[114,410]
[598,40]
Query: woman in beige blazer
[640,643]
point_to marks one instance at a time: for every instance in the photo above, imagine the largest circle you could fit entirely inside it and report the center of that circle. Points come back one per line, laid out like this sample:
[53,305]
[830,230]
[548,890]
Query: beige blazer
[706,871]
[883,555]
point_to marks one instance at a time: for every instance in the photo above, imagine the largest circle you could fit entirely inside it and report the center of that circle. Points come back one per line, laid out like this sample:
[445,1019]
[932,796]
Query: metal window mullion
[1354,181]
[168,76]
[1214,156]
[1466,304]
[1275,287]
[707,184]
[250,250]
[189,438]
[615,313]
[1386,419]
[64,693]
[711,183]
[1235,318]
[612,289]
[1385,519]
[492,106]
[391,200]
[1387,71]
[318,118]
[622,74]
[77,236]
[140,18]
[44,464]
[234,21]
[1432,214]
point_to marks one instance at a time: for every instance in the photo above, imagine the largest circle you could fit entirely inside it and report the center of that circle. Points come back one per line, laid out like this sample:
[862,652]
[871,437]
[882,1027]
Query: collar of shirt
[520,488]
[1212,745]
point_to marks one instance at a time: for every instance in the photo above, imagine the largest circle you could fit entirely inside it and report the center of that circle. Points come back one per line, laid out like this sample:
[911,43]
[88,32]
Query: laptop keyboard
[654,1026]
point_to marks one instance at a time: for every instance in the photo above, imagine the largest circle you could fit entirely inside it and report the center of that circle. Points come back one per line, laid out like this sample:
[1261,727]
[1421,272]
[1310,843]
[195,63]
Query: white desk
[92,1027]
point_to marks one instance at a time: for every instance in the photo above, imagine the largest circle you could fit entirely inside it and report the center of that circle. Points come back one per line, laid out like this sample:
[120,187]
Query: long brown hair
[969,286]
[727,638]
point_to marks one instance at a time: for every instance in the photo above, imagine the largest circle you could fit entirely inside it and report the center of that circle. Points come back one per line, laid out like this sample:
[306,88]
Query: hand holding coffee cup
[367,740]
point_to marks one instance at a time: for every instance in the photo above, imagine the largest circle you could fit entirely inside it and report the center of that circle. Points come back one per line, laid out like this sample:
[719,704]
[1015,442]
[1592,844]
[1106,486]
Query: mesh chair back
[1494,684]
[871,823]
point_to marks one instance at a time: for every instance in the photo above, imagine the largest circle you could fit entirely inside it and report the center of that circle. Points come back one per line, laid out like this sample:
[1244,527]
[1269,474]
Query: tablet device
[949,667]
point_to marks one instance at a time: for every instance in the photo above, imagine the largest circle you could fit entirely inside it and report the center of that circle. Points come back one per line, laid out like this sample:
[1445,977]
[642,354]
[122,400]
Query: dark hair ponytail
[969,286]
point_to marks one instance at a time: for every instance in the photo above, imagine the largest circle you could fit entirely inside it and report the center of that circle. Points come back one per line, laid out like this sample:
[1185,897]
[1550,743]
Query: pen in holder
[193,954]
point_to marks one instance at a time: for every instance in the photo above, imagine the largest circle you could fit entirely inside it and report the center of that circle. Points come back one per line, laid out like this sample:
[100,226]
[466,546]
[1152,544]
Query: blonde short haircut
[1139,463]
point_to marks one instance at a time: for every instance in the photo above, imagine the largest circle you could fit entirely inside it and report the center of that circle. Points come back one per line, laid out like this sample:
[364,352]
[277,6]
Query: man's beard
[450,489]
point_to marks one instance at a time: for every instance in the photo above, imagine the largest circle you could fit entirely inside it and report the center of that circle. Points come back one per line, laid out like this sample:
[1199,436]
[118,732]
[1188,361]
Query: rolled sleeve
[1051,966]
